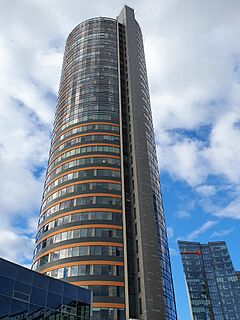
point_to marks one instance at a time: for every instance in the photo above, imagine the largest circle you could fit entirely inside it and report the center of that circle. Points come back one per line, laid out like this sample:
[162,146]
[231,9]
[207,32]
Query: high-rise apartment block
[102,223]
[213,287]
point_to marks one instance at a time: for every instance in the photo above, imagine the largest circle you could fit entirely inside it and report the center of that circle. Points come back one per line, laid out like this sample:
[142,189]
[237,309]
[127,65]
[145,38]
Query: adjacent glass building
[213,286]
[28,295]
[102,223]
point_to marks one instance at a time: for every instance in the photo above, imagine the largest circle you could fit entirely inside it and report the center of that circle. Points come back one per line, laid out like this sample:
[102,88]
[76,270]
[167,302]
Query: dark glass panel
[38,296]
[53,301]
[40,282]
[4,306]
[6,286]
[56,286]
[21,296]
[22,287]
[70,291]
[8,269]
[18,309]
[35,312]
[25,276]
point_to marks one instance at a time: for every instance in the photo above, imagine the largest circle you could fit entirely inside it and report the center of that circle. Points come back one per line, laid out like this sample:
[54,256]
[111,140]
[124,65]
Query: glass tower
[101,223]
[213,286]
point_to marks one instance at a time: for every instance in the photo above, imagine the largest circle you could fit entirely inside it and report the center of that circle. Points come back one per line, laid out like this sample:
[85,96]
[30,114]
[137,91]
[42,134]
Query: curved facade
[101,223]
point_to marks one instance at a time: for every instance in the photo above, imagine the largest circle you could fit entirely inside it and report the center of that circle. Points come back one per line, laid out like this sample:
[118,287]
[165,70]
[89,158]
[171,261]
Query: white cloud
[221,233]
[173,252]
[232,210]
[15,247]
[170,232]
[202,229]
[206,190]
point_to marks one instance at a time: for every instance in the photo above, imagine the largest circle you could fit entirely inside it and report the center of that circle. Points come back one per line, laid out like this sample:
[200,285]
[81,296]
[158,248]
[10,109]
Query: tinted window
[8,269]
[6,286]
[19,307]
[33,310]
[56,286]
[40,281]
[70,291]
[22,287]
[4,306]
[38,296]
[53,301]
[24,276]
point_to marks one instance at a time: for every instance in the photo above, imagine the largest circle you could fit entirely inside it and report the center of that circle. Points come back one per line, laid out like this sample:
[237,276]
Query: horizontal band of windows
[96,64]
[86,84]
[86,128]
[77,141]
[82,226]
[91,26]
[71,70]
[74,102]
[86,103]
[88,182]
[87,97]
[102,162]
[88,135]
[70,103]
[80,109]
[101,148]
[86,38]
[80,216]
[86,146]
[87,199]
[91,69]
[80,233]
[78,59]
[109,87]
[83,174]
[86,118]
[74,44]
[94,115]
[77,205]
[78,251]
[82,125]
[107,313]
[98,59]
[78,103]
[88,32]
[81,188]
[75,211]
[86,270]
[95,160]
[70,135]
[82,56]
[92,243]
[103,290]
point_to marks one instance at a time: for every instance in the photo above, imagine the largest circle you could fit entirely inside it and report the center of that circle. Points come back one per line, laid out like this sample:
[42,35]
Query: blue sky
[193,61]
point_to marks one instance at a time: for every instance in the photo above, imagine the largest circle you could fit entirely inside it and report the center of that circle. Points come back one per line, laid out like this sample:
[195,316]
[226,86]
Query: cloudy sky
[193,60]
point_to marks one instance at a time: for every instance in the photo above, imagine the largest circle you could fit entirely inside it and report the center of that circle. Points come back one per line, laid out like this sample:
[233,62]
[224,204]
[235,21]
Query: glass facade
[25,294]
[90,223]
[213,286]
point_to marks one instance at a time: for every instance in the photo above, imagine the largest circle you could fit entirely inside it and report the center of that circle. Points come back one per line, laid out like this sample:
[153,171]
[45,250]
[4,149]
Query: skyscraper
[213,287]
[102,222]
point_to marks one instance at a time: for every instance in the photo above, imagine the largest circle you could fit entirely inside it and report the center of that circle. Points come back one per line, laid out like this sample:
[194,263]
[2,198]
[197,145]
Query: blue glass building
[213,286]
[26,294]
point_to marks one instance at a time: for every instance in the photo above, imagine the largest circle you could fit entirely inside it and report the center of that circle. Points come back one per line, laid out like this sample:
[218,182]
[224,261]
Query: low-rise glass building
[26,294]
